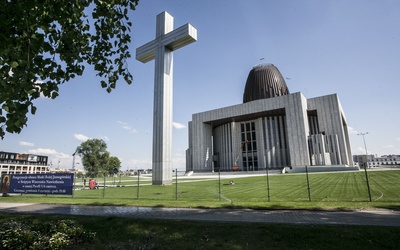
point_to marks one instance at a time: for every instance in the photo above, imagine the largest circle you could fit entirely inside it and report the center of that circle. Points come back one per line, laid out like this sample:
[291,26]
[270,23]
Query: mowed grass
[327,190]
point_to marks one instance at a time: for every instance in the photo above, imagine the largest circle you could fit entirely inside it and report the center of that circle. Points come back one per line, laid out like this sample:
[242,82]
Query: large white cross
[161,49]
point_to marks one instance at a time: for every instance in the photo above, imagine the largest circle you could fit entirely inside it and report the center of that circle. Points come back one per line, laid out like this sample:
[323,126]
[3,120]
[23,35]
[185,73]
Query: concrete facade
[161,50]
[284,131]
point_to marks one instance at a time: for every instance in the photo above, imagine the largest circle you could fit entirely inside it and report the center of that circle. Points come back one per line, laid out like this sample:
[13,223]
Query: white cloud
[64,161]
[38,84]
[105,138]
[388,146]
[81,137]
[43,151]
[351,130]
[360,151]
[139,164]
[179,162]
[57,159]
[39,89]
[127,126]
[26,144]
[178,125]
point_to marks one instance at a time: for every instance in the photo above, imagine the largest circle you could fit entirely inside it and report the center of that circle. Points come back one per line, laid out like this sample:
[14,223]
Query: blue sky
[351,48]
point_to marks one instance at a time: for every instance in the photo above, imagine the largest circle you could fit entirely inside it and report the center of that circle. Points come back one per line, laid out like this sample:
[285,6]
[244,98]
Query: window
[249,149]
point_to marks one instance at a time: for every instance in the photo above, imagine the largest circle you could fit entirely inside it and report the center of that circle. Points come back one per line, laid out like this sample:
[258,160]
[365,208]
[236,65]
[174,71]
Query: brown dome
[264,81]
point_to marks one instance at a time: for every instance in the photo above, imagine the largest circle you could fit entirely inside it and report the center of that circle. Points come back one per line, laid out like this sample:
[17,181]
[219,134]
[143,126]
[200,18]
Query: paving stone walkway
[357,217]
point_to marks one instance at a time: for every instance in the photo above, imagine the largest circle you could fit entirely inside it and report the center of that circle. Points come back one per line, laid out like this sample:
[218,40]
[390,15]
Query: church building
[272,129]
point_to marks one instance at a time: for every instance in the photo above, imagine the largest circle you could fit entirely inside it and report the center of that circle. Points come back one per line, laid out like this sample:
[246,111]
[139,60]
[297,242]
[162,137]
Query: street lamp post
[366,163]
[73,159]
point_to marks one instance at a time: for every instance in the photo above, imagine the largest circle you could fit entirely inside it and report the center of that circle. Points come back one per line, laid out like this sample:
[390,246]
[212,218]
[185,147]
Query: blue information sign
[38,183]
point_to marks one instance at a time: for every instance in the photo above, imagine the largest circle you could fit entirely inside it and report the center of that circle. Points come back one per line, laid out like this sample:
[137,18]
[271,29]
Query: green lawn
[327,190]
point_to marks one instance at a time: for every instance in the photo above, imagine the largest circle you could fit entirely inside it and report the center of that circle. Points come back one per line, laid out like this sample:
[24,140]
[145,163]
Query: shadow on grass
[119,204]
[391,207]
[284,207]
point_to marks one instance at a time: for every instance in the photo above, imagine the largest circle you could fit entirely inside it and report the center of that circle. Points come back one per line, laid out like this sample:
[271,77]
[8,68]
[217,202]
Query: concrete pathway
[358,217]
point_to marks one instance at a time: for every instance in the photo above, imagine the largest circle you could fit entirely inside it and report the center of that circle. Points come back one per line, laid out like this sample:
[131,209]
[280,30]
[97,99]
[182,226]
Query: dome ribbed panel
[264,81]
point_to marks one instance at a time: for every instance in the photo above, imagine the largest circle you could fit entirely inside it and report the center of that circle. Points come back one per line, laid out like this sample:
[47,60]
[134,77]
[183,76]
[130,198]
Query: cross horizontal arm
[184,35]
[147,52]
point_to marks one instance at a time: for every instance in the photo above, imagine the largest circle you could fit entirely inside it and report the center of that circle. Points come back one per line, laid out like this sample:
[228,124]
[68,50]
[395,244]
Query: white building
[272,128]
[375,161]
[15,163]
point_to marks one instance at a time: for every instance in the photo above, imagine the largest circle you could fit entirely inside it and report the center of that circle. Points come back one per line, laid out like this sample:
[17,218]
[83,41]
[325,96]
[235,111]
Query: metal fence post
[308,185]
[138,186]
[104,187]
[269,199]
[176,183]
[219,184]
[73,186]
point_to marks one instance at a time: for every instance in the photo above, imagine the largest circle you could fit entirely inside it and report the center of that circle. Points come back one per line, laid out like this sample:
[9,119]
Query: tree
[94,156]
[46,43]
[113,162]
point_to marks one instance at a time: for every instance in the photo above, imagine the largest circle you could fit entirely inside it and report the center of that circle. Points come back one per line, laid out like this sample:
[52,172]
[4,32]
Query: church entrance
[249,149]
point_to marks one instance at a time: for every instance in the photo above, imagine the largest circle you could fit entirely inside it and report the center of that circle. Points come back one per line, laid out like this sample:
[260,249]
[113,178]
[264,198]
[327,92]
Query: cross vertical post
[161,50]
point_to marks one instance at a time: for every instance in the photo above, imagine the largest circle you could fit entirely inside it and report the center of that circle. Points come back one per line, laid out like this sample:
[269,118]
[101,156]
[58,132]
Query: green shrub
[59,241]
[42,235]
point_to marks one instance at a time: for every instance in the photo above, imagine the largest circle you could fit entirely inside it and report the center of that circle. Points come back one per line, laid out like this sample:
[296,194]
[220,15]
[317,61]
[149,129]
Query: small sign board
[115,170]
